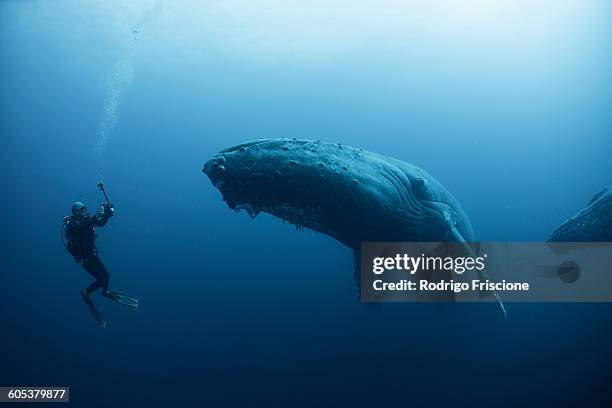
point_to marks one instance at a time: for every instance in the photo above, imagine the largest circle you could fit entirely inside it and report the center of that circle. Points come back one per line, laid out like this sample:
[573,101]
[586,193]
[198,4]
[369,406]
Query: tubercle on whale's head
[254,175]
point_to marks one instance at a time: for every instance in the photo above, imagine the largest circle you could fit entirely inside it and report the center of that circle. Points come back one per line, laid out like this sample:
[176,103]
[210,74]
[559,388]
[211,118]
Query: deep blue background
[508,105]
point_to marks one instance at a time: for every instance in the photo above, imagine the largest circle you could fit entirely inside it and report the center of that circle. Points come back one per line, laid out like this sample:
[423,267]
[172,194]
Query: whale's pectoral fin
[357,279]
[599,194]
[357,271]
[456,236]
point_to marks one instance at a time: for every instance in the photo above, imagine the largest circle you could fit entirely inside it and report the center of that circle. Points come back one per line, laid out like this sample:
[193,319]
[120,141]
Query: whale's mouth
[249,208]
[236,195]
[300,217]
[234,192]
[215,169]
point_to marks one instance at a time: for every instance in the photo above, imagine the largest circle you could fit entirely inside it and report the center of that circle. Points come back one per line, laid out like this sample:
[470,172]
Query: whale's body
[592,224]
[349,194]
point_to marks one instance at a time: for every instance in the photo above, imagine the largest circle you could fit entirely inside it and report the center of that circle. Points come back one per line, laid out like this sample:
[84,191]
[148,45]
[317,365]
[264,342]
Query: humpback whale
[350,194]
[592,224]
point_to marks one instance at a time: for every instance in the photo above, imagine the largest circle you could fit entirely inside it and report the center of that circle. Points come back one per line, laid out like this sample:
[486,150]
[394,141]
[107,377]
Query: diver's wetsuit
[83,236]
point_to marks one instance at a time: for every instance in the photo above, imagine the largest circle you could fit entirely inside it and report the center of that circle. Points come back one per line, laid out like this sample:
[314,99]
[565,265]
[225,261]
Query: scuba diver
[79,230]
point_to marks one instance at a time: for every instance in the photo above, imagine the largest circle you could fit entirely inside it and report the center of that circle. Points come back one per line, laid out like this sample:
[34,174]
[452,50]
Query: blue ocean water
[506,103]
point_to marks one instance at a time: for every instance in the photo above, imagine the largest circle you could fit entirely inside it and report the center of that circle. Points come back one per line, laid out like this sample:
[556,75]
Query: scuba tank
[68,243]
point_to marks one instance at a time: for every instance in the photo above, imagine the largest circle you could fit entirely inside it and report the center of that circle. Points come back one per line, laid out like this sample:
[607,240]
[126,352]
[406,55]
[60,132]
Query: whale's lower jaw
[300,217]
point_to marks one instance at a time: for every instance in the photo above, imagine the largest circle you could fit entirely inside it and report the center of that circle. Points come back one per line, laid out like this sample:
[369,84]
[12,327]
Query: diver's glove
[106,209]
[110,209]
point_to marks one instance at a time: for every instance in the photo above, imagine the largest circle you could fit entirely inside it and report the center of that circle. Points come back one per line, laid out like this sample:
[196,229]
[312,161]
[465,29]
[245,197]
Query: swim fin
[123,299]
[94,312]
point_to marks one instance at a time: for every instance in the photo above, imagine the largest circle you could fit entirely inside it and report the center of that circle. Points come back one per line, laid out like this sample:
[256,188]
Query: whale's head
[256,176]
[347,193]
[305,182]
